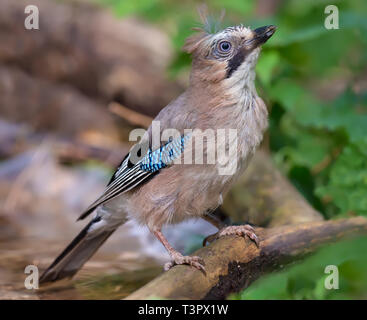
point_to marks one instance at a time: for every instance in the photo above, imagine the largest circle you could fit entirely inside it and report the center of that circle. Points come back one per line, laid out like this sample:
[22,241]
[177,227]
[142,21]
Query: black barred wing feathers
[129,175]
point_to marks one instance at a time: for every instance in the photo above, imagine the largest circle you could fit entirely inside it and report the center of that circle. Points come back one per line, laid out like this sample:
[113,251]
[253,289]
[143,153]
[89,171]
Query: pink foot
[178,258]
[242,231]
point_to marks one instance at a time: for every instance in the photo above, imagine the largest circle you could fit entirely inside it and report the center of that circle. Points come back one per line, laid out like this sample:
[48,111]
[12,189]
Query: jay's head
[229,54]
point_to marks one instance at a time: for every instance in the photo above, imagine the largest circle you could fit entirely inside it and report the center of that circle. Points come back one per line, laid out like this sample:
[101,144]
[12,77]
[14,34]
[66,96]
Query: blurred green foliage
[307,280]
[314,82]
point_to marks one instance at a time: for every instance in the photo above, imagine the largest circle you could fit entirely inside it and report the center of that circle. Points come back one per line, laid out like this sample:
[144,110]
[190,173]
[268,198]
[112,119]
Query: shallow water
[40,201]
[106,276]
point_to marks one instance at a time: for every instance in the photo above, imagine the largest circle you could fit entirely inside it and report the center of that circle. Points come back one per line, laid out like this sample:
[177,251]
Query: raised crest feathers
[209,25]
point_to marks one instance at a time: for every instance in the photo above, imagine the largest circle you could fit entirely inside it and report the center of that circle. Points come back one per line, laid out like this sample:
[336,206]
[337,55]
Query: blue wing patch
[165,155]
[129,175]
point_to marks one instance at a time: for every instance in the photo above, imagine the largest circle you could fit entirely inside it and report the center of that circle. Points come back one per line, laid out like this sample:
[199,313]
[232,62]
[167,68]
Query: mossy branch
[233,263]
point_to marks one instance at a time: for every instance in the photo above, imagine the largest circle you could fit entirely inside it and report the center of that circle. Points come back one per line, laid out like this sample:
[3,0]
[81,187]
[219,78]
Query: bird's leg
[242,230]
[211,218]
[177,257]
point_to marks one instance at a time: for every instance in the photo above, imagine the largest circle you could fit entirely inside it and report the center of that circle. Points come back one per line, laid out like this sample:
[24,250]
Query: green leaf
[347,186]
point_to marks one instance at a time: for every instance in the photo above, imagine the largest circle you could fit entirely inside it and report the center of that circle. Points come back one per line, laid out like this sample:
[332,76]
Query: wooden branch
[75,151]
[264,197]
[233,263]
[129,115]
[15,138]
[47,106]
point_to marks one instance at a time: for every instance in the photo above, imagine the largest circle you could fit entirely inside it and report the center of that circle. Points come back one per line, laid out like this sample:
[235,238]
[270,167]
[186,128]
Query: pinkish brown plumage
[221,97]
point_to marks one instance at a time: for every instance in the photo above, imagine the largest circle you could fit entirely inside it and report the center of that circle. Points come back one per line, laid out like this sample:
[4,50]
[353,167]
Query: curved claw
[210,238]
[254,238]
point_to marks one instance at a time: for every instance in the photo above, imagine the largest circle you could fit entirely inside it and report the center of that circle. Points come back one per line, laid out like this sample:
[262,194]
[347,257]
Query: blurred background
[71,92]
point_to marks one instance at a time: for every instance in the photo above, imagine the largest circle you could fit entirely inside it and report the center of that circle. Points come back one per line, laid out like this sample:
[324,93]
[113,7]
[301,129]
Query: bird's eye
[225,46]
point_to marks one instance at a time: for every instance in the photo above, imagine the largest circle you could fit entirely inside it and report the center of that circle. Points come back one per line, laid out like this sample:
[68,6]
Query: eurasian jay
[189,157]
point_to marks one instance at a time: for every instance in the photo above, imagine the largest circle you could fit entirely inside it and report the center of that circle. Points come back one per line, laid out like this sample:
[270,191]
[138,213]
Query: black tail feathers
[75,254]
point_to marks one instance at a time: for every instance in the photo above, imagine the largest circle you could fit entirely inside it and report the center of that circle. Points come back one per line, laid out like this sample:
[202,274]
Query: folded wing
[129,174]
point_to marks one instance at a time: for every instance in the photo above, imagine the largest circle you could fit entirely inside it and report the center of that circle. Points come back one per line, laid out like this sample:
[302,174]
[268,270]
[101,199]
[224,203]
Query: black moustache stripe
[236,61]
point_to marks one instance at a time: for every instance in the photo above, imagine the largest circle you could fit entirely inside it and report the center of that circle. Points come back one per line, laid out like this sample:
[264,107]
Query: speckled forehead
[235,31]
